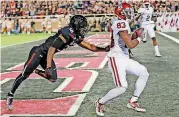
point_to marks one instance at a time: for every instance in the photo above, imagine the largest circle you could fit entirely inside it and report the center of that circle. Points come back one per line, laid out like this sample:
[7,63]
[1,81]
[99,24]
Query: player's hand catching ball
[138,34]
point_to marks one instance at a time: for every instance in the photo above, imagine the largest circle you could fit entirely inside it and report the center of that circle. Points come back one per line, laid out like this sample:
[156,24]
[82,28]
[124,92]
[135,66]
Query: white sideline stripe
[71,112]
[20,43]
[169,37]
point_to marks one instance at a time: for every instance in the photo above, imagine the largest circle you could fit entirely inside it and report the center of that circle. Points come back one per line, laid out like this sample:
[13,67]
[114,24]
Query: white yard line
[20,43]
[169,37]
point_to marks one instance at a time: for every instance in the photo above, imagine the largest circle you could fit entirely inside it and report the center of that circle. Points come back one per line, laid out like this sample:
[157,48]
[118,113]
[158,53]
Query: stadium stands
[99,13]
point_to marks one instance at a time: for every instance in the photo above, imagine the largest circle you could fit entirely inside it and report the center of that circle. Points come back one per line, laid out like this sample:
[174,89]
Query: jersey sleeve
[120,26]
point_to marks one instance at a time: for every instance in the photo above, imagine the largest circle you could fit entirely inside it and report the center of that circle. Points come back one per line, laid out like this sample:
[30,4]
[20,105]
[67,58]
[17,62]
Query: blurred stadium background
[25,23]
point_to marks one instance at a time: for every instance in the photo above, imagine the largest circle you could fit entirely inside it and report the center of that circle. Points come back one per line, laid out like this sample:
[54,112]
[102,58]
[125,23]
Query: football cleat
[99,108]
[135,106]
[9,101]
[144,40]
[158,55]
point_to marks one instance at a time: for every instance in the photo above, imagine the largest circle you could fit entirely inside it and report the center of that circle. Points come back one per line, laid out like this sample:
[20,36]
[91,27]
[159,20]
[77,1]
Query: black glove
[49,72]
[107,48]
[102,48]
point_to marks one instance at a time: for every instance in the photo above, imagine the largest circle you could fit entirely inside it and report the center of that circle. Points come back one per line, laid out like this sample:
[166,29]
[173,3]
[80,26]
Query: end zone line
[169,37]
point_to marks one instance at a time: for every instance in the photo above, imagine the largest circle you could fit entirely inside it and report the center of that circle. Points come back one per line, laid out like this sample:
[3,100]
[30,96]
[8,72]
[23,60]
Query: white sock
[8,33]
[140,84]
[156,50]
[134,99]
[28,32]
[112,94]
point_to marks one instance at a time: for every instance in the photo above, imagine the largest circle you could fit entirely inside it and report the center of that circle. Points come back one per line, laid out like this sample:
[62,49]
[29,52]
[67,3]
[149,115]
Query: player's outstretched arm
[93,48]
[130,43]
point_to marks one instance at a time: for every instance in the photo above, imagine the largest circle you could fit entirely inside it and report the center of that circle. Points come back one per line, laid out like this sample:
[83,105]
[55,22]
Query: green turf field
[24,38]
[21,38]
[160,97]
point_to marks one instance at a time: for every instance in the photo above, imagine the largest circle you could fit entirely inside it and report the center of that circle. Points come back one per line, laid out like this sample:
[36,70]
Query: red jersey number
[121,25]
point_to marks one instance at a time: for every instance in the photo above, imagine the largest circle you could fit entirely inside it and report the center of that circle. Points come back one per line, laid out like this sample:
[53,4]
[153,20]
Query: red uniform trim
[115,67]
[31,58]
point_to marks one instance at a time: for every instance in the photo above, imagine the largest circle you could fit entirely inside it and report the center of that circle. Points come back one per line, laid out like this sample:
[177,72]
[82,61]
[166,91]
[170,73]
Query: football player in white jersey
[145,15]
[120,64]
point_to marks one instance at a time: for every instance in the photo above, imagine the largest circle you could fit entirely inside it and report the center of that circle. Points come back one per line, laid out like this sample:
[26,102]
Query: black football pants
[35,58]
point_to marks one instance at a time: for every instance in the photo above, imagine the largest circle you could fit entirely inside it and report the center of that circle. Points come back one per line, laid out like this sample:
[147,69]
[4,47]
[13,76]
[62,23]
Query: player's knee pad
[121,89]
[143,73]
[124,85]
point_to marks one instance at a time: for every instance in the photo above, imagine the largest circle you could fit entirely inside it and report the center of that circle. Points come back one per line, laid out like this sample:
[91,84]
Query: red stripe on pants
[115,78]
[31,58]
[115,67]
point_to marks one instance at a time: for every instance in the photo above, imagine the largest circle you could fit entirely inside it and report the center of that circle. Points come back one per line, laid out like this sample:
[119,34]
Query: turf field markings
[169,37]
[91,80]
[73,108]
[91,55]
[73,63]
[64,84]
[4,81]
[11,68]
[21,43]
[103,62]
[76,105]
[86,86]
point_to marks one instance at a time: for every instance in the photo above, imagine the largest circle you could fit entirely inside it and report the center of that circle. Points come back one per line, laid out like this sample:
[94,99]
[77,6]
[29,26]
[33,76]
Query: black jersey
[64,38]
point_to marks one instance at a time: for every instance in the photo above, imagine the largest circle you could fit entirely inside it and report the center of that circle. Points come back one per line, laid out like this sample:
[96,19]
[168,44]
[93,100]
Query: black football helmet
[79,24]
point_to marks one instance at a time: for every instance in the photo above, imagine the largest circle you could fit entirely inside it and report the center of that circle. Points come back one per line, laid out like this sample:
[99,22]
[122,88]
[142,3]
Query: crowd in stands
[41,8]
[25,9]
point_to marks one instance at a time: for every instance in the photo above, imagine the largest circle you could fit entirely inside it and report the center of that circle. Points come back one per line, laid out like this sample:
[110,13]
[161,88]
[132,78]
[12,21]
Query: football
[137,33]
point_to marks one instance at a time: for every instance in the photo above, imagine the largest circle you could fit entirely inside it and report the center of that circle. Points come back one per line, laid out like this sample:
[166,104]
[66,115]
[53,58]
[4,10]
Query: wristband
[139,39]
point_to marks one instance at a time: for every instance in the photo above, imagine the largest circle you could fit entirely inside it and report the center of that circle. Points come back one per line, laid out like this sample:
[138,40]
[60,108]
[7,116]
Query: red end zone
[76,80]
[43,107]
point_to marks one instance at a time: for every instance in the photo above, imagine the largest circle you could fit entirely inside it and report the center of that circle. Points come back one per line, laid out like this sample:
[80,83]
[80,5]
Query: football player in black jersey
[43,54]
